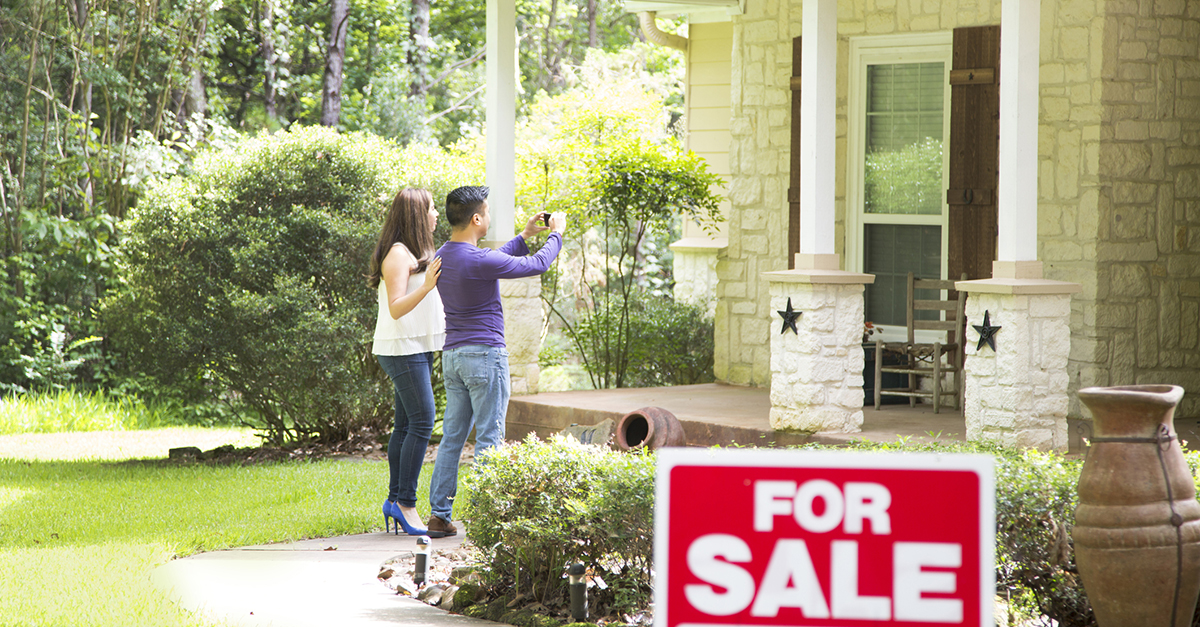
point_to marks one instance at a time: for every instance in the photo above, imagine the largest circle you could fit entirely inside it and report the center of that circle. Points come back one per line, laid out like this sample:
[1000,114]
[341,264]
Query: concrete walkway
[302,584]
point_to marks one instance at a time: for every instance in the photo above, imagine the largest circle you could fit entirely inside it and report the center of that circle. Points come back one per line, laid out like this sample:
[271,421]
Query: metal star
[789,318]
[987,332]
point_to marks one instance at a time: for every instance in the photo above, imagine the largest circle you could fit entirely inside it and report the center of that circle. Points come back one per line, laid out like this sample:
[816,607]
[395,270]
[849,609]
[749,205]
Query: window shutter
[794,185]
[974,148]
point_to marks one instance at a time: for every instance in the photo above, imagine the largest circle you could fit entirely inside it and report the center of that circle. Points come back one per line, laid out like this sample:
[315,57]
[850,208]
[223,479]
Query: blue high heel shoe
[388,506]
[392,510]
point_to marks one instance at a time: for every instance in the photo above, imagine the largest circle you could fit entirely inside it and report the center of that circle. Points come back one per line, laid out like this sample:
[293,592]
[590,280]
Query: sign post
[753,537]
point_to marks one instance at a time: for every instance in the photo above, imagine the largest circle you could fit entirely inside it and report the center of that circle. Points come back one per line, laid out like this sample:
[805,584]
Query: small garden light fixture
[422,562]
[579,610]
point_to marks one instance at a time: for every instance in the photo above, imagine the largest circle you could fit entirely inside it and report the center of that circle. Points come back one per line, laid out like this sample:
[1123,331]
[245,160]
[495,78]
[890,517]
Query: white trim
[501,102]
[1017,201]
[870,50]
[818,128]
[912,48]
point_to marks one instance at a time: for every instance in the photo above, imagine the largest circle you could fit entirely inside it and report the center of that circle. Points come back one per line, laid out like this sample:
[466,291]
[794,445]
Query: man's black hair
[463,203]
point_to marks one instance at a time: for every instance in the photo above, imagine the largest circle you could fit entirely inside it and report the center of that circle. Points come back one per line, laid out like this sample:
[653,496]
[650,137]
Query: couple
[415,286]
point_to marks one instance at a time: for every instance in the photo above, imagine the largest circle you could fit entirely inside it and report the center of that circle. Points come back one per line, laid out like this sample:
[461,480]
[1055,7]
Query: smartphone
[545,218]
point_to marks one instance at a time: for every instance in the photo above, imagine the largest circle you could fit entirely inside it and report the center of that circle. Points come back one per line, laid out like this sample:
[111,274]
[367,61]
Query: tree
[603,151]
[80,82]
[335,60]
[269,58]
[418,53]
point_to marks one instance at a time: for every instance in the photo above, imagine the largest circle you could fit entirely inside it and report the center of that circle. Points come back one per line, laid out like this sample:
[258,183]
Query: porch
[717,414]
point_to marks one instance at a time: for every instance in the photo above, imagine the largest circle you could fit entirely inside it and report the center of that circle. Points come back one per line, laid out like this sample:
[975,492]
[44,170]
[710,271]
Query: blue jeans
[477,391]
[415,411]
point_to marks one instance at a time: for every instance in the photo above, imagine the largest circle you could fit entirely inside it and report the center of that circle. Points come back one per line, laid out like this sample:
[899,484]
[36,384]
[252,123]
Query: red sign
[811,539]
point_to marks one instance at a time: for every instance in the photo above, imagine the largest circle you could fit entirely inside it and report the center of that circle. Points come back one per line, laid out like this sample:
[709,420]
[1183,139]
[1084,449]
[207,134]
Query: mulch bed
[364,445]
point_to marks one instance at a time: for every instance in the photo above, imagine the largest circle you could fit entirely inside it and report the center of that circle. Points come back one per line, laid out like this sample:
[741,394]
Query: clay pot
[1137,526]
[649,427]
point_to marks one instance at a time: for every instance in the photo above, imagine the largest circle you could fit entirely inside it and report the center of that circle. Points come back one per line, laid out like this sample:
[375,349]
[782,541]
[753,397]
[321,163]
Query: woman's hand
[432,272]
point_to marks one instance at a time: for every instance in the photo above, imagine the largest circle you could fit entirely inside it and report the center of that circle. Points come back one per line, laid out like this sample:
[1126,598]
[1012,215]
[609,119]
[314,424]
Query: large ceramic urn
[1137,526]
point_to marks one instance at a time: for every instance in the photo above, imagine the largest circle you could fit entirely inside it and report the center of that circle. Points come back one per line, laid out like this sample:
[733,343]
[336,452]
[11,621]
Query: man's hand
[558,222]
[534,226]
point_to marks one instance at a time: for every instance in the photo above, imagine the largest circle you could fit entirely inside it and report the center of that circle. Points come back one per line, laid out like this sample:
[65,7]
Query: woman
[410,327]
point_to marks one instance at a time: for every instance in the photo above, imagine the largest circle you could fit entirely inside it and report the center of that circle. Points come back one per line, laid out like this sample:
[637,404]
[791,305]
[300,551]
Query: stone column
[1016,395]
[523,320]
[817,372]
[695,270]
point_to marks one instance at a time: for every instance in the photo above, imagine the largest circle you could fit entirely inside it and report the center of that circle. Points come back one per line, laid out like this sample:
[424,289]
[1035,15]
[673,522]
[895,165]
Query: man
[474,359]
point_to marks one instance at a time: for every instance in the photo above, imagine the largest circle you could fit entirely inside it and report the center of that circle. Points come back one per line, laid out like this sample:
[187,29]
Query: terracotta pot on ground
[1137,526]
[649,427]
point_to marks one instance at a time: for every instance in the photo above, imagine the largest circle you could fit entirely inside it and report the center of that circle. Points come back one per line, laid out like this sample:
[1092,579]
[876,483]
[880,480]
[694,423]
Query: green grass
[70,410]
[79,539]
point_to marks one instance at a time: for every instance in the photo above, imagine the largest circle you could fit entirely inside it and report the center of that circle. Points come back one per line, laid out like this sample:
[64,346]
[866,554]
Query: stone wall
[1070,193]
[523,318]
[695,271]
[1119,177]
[760,154]
[1147,307]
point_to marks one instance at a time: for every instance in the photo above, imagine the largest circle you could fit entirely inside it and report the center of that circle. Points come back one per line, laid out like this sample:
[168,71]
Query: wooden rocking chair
[925,359]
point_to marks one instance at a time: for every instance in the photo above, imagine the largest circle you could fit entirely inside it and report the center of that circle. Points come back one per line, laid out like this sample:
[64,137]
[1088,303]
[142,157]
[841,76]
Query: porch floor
[719,414]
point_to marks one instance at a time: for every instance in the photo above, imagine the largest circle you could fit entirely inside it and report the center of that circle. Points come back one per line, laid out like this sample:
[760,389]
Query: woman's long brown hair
[408,223]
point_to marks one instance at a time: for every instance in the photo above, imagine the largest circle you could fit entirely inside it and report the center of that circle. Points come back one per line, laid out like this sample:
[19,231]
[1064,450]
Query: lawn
[79,538]
[91,532]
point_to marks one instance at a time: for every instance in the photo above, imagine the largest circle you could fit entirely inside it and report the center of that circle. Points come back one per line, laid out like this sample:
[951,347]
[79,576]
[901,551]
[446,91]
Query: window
[896,176]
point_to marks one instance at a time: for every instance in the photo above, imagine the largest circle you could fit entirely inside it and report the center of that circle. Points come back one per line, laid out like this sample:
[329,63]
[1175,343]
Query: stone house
[1107,242]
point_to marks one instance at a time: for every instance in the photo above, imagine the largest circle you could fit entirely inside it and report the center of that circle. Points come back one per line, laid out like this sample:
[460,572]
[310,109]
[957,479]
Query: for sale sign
[807,539]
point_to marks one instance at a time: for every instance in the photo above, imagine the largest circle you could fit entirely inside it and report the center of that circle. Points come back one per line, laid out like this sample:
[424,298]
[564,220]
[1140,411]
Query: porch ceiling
[674,7]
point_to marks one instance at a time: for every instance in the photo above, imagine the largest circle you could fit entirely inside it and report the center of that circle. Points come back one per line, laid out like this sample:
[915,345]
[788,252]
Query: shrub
[536,507]
[670,343]
[244,281]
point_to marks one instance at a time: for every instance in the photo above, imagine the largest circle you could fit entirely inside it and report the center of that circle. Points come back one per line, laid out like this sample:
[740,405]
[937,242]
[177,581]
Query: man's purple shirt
[470,288]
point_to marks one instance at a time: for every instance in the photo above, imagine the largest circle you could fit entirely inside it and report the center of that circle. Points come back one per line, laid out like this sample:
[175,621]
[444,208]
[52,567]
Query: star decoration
[987,332]
[789,318]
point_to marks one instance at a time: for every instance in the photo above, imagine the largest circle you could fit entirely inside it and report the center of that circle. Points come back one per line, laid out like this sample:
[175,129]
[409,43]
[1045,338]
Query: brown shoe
[439,528]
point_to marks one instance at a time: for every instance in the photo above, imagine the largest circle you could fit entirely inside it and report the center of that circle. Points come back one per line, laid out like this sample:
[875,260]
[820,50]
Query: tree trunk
[593,39]
[418,54]
[335,60]
[549,62]
[268,55]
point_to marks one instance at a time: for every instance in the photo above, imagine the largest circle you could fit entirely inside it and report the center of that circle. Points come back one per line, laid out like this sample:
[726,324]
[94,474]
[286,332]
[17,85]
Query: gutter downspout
[653,34]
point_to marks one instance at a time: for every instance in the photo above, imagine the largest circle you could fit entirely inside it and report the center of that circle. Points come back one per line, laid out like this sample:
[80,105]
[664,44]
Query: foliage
[74,410]
[536,507]
[243,282]
[1035,509]
[88,91]
[907,181]
[141,515]
[639,190]
[670,343]
[603,152]
[398,83]
[1035,512]
[613,99]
